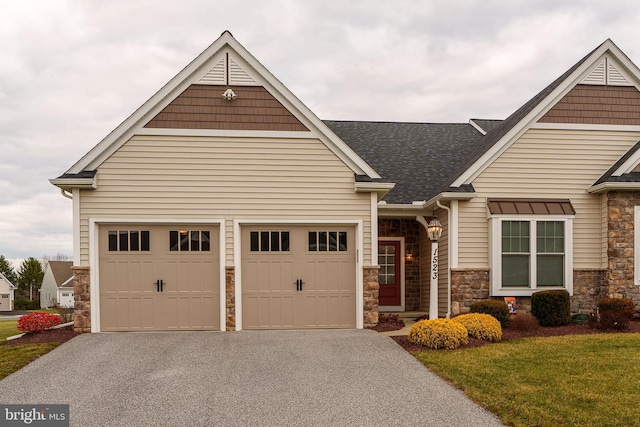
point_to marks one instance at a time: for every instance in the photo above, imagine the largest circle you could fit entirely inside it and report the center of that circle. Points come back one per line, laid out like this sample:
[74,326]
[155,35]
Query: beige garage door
[158,277]
[298,277]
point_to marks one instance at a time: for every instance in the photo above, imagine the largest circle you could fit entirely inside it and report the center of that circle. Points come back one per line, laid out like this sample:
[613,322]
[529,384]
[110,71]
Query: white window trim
[495,254]
[401,307]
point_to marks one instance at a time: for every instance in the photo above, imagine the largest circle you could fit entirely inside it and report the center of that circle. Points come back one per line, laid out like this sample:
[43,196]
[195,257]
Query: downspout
[66,194]
[449,261]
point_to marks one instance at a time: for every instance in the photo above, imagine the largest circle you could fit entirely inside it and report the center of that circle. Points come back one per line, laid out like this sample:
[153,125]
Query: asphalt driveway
[266,378]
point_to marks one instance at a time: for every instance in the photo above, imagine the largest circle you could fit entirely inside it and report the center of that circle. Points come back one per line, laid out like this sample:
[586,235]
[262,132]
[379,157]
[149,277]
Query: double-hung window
[530,252]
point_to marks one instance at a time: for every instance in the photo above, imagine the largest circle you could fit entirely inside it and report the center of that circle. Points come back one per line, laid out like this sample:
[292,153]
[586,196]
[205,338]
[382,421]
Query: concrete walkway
[266,378]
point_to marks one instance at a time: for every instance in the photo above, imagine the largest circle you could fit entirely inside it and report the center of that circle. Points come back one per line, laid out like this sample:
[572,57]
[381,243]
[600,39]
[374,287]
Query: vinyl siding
[547,164]
[224,178]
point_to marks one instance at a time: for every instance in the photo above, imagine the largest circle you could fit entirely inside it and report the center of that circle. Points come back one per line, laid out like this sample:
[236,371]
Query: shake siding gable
[547,164]
[204,178]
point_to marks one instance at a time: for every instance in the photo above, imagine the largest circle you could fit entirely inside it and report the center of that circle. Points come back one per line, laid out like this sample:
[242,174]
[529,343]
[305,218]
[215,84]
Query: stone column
[230,296]
[371,288]
[82,299]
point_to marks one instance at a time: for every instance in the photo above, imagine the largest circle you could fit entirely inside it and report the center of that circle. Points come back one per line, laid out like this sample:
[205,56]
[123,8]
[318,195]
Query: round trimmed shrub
[551,308]
[615,313]
[439,333]
[495,308]
[37,321]
[481,326]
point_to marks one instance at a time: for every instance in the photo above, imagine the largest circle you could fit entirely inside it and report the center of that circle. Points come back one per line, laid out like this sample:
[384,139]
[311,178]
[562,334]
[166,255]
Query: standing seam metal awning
[530,206]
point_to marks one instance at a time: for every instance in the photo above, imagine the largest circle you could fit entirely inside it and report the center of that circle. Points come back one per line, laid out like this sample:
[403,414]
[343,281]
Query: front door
[389,257]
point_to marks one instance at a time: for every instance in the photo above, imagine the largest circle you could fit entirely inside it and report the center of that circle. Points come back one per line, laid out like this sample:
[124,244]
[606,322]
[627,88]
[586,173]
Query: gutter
[606,186]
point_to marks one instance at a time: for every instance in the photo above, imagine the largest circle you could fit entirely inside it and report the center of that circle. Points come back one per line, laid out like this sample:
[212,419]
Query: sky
[72,70]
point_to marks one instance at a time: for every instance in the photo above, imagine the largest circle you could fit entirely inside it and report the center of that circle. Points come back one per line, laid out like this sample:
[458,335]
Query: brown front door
[389,274]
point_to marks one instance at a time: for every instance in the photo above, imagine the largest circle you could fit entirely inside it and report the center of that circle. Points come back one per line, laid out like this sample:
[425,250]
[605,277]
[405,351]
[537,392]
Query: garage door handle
[160,285]
[299,284]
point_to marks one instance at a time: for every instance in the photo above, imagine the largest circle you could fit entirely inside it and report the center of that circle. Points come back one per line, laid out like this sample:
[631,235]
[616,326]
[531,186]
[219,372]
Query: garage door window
[128,241]
[327,241]
[189,241]
[270,241]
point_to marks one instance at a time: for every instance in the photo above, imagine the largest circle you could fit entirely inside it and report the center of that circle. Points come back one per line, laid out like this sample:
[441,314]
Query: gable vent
[606,73]
[237,76]
[215,76]
[597,76]
[615,78]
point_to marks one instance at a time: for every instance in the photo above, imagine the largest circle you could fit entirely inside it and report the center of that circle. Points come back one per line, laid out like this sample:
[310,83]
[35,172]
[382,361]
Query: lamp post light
[434,230]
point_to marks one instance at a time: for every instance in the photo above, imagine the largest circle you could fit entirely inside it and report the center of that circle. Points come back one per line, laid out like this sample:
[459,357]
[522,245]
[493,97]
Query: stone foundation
[467,286]
[371,288]
[410,230]
[82,299]
[230,294]
[620,250]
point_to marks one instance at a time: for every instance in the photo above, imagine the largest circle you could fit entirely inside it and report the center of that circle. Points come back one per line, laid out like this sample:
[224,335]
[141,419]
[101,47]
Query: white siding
[547,164]
[224,178]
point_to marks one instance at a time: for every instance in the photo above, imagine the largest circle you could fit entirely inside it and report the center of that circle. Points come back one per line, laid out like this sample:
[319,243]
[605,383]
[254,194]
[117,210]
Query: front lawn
[16,357]
[585,380]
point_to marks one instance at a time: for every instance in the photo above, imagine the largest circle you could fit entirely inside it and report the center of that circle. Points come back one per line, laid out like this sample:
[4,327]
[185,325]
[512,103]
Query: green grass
[579,380]
[8,328]
[13,358]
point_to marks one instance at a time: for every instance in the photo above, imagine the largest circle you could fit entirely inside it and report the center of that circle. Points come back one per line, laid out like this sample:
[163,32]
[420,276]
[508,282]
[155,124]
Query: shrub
[65,313]
[23,304]
[497,309]
[523,322]
[615,313]
[37,321]
[438,333]
[481,326]
[551,308]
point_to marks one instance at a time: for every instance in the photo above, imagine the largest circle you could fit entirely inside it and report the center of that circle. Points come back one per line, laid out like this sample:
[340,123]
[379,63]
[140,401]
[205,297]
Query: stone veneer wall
[410,230]
[230,295]
[620,250]
[472,284]
[371,288]
[82,300]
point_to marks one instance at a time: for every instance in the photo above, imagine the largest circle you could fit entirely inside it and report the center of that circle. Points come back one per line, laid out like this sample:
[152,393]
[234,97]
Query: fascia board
[518,130]
[606,186]
[69,183]
[382,188]
[190,74]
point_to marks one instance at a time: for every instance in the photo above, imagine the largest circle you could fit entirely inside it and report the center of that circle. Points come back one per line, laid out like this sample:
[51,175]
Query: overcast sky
[71,71]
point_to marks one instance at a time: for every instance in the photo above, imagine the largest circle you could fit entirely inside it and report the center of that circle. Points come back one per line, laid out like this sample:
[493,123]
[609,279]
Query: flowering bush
[37,322]
[438,333]
[481,326]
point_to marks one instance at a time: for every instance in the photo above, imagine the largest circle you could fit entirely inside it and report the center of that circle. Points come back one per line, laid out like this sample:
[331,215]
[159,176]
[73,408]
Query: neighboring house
[224,203]
[7,294]
[57,285]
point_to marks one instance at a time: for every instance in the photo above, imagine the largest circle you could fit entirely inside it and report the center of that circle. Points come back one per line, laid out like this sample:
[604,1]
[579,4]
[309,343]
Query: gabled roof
[11,285]
[500,138]
[201,69]
[613,180]
[61,271]
[418,157]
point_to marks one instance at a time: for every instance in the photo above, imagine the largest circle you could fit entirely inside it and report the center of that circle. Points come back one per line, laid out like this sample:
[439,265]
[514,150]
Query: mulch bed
[54,335]
[542,331]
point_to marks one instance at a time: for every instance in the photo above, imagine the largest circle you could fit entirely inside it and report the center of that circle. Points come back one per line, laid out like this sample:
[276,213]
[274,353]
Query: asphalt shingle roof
[418,157]
[625,177]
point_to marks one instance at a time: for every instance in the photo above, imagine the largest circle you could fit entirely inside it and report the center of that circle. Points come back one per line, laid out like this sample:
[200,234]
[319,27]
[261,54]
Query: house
[57,285]
[224,203]
[7,294]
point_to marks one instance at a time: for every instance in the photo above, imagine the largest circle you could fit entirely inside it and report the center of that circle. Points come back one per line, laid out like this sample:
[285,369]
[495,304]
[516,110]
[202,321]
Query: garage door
[298,277]
[159,277]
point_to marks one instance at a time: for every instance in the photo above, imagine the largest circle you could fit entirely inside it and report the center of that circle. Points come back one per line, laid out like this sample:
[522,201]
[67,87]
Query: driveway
[266,378]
